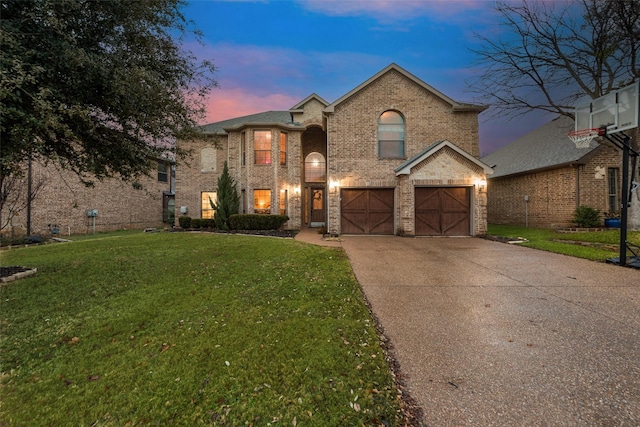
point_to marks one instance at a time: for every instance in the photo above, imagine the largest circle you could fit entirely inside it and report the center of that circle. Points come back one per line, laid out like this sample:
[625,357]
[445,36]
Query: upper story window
[390,135]
[208,156]
[262,147]
[283,148]
[243,149]
[163,172]
[315,168]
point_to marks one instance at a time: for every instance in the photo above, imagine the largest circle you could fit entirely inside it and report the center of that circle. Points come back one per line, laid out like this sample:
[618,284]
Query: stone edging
[17,276]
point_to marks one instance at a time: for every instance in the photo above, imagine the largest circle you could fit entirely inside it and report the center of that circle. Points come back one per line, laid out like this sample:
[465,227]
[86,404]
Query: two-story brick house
[392,156]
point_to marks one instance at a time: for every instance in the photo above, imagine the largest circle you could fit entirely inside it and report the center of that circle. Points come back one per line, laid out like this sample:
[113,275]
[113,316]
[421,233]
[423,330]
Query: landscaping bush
[208,223]
[196,223]
[257,222]
[587,217]
[185,221]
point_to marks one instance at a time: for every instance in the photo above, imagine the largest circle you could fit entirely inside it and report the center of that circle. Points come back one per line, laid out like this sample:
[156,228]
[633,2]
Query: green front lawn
[597,245]
[189,329]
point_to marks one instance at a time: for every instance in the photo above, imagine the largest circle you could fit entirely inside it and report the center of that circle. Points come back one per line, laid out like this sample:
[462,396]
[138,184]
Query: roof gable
[405,168]
[299,107]
[544,148]
[456,106]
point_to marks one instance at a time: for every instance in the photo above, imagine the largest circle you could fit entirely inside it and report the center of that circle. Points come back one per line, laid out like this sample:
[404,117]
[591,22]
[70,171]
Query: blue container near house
[612,222]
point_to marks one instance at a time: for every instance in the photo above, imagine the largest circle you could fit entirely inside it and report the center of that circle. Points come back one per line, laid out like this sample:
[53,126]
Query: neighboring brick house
[65,205]
[541,178]
[392,156]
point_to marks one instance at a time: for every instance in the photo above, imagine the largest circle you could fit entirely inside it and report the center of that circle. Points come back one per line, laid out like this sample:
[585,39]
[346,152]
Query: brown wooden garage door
[444,211]
[366,211]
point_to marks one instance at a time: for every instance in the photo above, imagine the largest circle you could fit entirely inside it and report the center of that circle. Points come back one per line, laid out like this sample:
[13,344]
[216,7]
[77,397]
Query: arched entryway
[314,177]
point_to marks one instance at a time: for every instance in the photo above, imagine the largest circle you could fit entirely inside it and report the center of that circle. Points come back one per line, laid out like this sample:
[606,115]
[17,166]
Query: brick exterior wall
[353,143]
[553,194]
[282,180]
[64,200]
[194,177]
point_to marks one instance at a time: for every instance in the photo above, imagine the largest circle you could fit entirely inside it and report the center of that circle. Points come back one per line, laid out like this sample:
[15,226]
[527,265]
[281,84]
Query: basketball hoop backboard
[617,111]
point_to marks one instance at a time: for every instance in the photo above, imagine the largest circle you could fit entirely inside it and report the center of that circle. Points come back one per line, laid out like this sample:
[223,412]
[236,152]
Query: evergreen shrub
[587,217]
[257,222]
[228,201]
[184,221]
[209,223]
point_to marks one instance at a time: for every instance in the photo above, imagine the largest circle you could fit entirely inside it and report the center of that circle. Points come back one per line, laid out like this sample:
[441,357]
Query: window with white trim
[315,168]
[262,147]
[262,201]
[243,149]
[207,201]
[283,148]
[391,135]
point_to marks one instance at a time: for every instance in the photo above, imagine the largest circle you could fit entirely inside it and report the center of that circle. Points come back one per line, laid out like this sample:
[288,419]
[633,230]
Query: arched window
[390,135]
[315,168]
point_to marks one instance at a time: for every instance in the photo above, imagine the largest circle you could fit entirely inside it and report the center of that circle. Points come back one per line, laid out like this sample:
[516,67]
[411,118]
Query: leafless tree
[546,55]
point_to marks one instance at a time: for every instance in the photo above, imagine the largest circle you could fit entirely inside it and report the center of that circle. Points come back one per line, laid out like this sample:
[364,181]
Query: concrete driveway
[488,333]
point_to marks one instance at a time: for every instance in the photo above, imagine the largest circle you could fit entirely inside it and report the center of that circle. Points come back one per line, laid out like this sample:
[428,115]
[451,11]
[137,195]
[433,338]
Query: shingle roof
[283,117]
[546,147]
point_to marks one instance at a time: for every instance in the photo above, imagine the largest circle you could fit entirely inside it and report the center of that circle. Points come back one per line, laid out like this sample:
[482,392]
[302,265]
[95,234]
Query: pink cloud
[250,81]
[225,104]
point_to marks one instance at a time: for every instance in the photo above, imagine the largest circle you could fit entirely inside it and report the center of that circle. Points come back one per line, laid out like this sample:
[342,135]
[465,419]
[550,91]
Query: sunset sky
[270,55]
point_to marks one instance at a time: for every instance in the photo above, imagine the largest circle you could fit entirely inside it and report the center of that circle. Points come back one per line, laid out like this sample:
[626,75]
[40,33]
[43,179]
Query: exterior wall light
[296,190]
[482,184]
[333,185]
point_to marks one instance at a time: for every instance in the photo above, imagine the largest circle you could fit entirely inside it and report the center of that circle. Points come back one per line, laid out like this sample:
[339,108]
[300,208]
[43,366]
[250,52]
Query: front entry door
[317,206]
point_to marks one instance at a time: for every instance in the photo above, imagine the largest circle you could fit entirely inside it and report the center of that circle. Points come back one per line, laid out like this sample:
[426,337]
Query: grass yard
[597,246]
[189,329]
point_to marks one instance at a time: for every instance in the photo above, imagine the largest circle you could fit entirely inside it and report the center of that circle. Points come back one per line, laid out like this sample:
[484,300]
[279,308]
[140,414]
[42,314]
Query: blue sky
[272,54]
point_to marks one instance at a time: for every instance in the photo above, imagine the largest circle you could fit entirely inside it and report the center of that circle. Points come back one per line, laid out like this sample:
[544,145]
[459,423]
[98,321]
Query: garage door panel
[443,211]
[367,211]
[455,200]
[354,200]
[380,223]
[428,224]
[353,223]
[428,198]
[381,200]
[455,224]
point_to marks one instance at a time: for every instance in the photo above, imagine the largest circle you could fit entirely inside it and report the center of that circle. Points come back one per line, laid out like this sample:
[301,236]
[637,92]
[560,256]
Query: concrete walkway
[493,334]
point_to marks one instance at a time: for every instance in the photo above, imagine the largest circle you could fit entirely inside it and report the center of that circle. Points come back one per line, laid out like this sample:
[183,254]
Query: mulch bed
[10,271]
[502,239]
[495,238]
[271,233]
[286,234]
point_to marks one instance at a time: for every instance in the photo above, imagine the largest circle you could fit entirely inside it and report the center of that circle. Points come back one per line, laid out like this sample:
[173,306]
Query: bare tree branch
[548,54]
